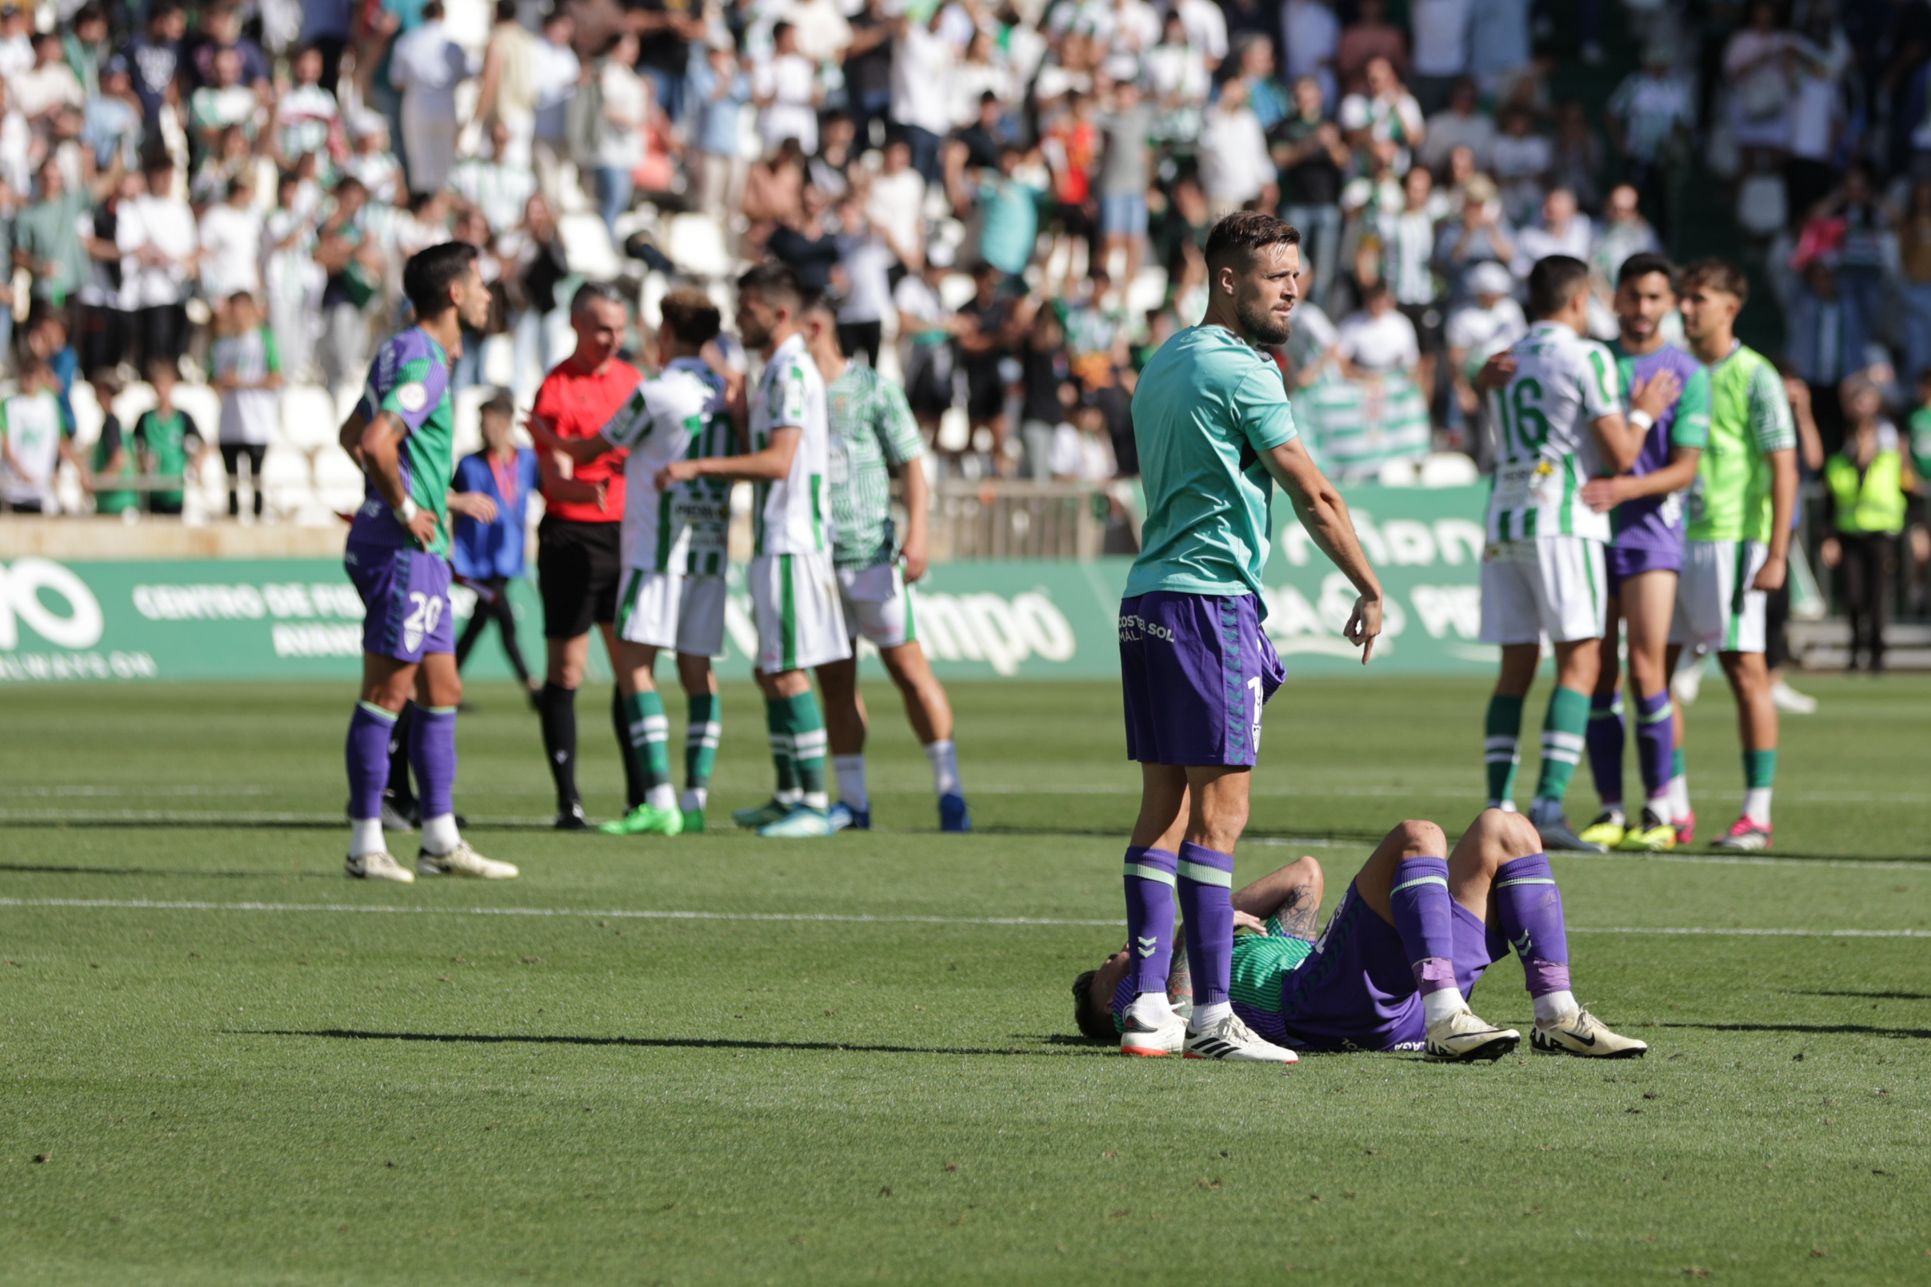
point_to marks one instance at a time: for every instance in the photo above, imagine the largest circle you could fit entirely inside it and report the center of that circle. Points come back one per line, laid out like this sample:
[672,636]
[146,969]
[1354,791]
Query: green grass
[319,1096]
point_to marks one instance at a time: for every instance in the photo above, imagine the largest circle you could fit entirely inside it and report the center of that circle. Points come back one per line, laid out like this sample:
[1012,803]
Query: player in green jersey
[1739,531]
[873,437]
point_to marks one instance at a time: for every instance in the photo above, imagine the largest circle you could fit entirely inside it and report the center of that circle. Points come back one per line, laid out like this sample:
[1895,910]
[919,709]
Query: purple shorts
[1626,561]
[1195,670]
[1357,992]
[405,600]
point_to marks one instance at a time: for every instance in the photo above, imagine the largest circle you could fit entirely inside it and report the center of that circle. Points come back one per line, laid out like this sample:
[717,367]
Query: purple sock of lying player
[1424,917]
[432,750]
[1150,883]
[1206,895]
[1530,905]
[368,758]
[1655,742]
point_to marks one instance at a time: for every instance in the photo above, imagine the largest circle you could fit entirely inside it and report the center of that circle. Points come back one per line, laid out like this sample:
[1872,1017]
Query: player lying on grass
[1395,965]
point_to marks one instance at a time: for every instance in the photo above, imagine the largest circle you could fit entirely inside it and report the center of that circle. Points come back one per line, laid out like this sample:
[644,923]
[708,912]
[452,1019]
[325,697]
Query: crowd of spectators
[1007,197]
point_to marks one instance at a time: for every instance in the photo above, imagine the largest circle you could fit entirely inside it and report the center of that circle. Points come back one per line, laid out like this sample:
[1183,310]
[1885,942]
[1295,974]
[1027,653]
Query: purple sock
[1530,905]
[368,756]
[1149,917]
[432,750]
[1655,742]
[1604,738]
[1206,891]
[1425,918]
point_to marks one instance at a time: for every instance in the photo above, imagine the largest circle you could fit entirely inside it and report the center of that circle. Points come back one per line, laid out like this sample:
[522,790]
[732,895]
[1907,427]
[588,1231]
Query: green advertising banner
[300,618]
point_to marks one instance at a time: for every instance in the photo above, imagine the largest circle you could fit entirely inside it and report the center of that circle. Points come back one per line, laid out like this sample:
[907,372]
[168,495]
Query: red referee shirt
[580,403]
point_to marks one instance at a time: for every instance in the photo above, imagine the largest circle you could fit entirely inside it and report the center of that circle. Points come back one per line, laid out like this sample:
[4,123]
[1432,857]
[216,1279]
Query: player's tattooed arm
[1292,893]
[381,457]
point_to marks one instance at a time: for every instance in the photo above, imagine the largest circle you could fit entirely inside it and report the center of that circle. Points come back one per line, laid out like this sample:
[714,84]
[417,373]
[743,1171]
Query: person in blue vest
[490,553]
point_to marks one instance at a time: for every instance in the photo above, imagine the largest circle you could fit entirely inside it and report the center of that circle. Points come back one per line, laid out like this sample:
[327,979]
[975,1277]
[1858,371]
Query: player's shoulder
[1213,354]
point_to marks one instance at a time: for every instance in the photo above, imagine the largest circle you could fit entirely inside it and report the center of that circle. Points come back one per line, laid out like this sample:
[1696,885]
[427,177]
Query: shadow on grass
[1810,1029]
[658,1043]
[55,869]
[1874,996]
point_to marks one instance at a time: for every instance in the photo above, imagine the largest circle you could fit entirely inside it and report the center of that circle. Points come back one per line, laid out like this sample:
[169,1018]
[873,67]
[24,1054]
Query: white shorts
[1548,585]
[671,610]
[1715,607]
[794,600]
[878,605]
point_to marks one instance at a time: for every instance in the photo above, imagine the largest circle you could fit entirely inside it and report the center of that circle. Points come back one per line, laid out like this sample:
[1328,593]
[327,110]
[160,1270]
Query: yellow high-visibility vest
[1873,502]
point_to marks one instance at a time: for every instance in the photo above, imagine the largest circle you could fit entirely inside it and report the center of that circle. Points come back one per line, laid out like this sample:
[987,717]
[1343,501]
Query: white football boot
[1233,1040]
[1151,1028]
[464,861]
[377,866]
[1464,1036]
[1583,1034]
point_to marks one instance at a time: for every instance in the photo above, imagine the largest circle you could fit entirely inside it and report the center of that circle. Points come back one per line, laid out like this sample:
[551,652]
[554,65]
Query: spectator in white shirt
[922,59]
[426,67]
[787,93]
[493,185]
[820,27]
[557,71]
[49,85]
[1477,331]
[1378,341]
[1562,230]
[1235,166]
[1462,123]
[1520,161]
[620,138]
[895,201]
[1384,110]
[1206,28]
[160,246]
[231,242]
[1440,44]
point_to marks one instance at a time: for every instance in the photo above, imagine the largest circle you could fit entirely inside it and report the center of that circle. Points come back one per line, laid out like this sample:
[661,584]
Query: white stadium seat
[338,483]
[309,423]
[1449,469]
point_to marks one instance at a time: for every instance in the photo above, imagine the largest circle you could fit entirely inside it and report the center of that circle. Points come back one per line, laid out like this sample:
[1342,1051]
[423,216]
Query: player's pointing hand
[1364,625]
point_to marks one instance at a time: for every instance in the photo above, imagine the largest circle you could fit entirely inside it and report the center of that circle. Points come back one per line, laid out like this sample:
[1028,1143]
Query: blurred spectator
[1827,343]
[623,110]
[47,240]
[534,266]
[668,32]
[985,347]
[1462,123]
[247,370]
[1235,165]
[1178,82]
[1378,340]
[160,249]
[719,92]
[1478,235]
[48,83]
[1490,322]
[1440,30]
[1498,44]
[555,72]
[1125,172]
[1312,158]
[1650,117]
[231,242]
[489,549]
[1561,230]
[1254,69]
[115,466]
[1756,71]
[787,93]
[1383,111]
[921,91]
[1369,37]
[868,68]
[34,438]
[1818,60]
[866,258]
[493,184]
[1311,35]
[894,200]
[167,440]
[1048,393]
[1521,159]
[1008,210]
[1578,163]
[506,87]
[1868,486]
[156,58]
[1623,232]
[926,328]
[426,68]
[1914,256]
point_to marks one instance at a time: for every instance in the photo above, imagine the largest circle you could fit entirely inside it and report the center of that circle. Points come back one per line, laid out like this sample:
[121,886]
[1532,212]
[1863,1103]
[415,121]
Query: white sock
[1615,812]
[439,834]
[1442,1003]
[851,780]
[1756,805]
[695,798]
[816,800]
[945,766]
[1152,1005]
[1679,793]
[365,836]
[788,797]
[1663,807]
[1206,1016]
[1552,1006]
[662,796]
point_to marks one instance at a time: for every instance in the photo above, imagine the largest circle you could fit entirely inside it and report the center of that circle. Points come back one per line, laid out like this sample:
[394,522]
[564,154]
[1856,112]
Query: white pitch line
[828,918]
[1714,860]
[1436,792]
[95,791]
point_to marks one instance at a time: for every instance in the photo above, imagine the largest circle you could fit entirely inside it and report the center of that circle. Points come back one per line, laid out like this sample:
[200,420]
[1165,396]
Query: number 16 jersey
[1545,447]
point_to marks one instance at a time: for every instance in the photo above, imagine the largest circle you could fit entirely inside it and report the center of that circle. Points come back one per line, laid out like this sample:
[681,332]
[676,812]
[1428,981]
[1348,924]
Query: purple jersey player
[1644,558]
[1211,420]
[400,433]
[1355,988]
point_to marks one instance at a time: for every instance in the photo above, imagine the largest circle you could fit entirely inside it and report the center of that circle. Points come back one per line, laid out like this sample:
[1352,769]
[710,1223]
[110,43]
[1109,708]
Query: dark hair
[1717,274]
[1553,282]
[691,316]
[429,274]
[775,281]
[1093,1023]
[240,295]
[156,365]
[779,30]
[432,11]
[1643,265]
[595,293]
[1236,239]
[506,10]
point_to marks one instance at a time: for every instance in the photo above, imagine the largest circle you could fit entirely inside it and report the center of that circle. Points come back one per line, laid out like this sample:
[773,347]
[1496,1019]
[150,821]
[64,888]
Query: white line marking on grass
[1438,792]
[91,791]
[1716,860]
[827,918]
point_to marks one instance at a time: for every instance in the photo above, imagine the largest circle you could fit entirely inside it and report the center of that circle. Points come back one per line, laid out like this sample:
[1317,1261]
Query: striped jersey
[409,379]
[248,415]
[31,429]
[790,514]
[872,433]
[657,424]
[1749,419]
[1546,448]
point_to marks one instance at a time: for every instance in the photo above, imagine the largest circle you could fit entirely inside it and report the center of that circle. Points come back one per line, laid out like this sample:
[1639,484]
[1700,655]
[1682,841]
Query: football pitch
[720,1059]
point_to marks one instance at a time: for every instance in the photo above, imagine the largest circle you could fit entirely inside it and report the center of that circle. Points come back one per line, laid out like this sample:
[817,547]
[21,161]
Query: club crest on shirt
[412,397]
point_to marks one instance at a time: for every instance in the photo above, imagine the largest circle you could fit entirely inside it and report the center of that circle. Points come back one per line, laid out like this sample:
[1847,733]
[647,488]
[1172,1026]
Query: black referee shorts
[578,566]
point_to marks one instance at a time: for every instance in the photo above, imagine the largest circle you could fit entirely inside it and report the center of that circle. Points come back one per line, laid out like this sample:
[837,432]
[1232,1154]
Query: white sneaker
[1233,1040]
[1583,1034]
[1688,681]
[1790,701]
[377,866]
[1152,1031]
[464,861]
[1463,1036]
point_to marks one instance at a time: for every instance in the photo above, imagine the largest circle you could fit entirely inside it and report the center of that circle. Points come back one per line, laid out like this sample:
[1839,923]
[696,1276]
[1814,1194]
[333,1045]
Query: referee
[577,553]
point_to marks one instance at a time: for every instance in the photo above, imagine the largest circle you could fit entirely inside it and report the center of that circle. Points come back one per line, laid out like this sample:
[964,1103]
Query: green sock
[700,740]
[1503,728]
[1563,733]
[1759,770]
[1677,761]
[808,738]
[646,711]
[777,718]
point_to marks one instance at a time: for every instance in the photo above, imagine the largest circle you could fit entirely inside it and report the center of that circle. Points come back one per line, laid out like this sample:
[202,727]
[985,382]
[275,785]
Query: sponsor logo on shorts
[1134,628]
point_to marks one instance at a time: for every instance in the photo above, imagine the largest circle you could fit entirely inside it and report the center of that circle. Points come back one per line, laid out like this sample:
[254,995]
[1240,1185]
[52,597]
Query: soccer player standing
[1644,557]
[1739,531]
[401,432]
[578,550]
[794,594]
[874,435]
[671,595]
[1559,422]
[1211,419]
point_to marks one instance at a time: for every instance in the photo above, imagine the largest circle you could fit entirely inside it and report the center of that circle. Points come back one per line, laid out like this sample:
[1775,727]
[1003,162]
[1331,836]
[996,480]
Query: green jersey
[1749,419]
[1921,441]
[167,441]
[114,499]
[1261,964]
[410,379]
[1207,409]
[872,434]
